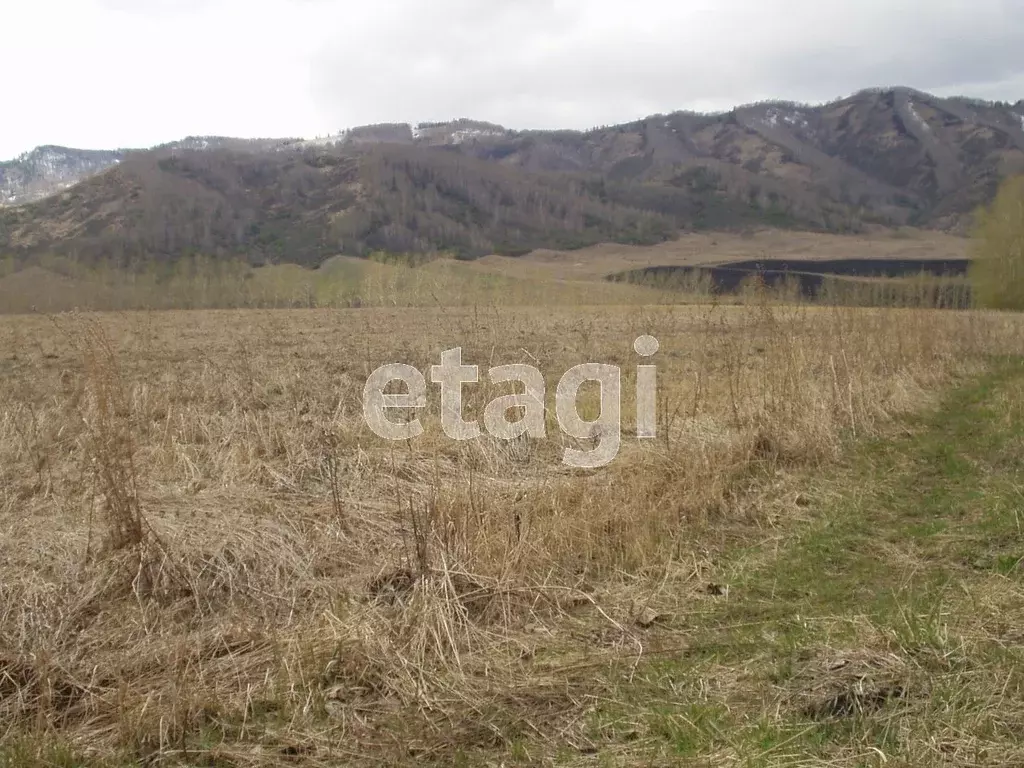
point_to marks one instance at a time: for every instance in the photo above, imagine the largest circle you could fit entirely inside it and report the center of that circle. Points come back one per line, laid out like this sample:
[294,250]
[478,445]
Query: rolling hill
[304,206]
[880,157]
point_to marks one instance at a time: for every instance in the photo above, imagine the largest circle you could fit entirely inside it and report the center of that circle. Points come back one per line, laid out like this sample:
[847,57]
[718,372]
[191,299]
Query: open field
[709,249]
[208,558]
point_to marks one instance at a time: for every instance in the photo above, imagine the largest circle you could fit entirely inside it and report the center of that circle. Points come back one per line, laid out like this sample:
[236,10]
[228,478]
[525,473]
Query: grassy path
[886,630]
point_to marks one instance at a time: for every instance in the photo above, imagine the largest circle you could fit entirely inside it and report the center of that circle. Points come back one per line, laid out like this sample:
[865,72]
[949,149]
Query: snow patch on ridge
[917,118]
[792,118]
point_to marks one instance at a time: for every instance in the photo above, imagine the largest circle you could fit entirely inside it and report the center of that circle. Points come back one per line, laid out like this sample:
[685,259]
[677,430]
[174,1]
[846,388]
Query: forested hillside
[882,157]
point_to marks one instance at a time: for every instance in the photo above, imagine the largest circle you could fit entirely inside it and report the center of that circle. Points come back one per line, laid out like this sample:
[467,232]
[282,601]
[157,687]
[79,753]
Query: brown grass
[208,556]
[699,248]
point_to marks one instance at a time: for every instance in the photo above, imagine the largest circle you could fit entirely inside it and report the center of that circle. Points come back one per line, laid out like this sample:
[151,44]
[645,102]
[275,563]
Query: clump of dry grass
[109,448]
[277,581]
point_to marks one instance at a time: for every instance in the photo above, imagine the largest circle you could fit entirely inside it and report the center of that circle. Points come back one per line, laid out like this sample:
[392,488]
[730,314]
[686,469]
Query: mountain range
[889,157]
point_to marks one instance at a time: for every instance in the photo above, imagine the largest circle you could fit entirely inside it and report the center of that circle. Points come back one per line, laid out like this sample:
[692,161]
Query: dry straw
[274,582]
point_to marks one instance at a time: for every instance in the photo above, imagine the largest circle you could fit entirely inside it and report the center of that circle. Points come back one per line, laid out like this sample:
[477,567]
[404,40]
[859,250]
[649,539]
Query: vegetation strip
[885,630]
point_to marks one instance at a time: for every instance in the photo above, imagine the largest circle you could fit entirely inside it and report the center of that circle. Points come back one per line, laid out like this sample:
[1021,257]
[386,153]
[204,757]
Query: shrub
[997,273]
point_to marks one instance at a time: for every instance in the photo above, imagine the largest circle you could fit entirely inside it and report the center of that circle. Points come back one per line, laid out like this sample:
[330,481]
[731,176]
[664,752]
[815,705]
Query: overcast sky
[131,73]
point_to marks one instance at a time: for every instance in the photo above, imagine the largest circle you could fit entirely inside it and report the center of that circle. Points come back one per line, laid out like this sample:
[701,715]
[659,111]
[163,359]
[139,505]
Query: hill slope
[304,206]
[893,156]
[47,170]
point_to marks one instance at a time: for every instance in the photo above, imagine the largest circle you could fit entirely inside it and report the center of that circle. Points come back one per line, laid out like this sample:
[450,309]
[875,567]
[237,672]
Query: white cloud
[91,75]
[102,73]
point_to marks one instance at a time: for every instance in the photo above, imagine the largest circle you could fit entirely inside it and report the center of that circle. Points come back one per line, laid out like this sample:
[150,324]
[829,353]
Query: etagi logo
[451,374]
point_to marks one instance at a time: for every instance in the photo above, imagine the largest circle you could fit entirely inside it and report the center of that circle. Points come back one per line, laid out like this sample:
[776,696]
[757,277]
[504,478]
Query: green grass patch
[885,631]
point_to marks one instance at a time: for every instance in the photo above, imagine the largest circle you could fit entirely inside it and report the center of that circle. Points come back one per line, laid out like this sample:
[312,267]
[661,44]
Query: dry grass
[699,248]
[208,558]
